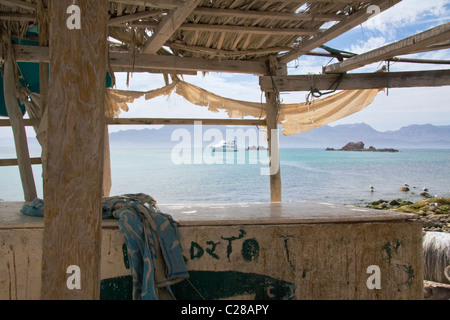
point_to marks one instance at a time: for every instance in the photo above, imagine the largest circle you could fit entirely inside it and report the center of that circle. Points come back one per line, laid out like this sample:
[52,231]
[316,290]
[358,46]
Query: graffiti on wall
[249,249]
[215,284]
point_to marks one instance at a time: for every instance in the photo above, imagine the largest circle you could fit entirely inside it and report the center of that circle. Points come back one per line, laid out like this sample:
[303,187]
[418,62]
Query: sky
[391,110]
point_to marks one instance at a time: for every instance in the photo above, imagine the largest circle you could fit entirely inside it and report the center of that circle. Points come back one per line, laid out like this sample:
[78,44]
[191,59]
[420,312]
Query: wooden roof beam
[230,28]
[162,4]
[346,24]
[19,4]
[356,81]
[124,61]
[133,17]
[184,64]
[255,14]
[169,25]
[394,59]
[13,16]
[434,47]
[244,29]
[405,46]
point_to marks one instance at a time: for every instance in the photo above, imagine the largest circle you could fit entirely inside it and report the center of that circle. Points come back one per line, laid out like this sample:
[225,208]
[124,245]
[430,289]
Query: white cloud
[407,13]
[371,44]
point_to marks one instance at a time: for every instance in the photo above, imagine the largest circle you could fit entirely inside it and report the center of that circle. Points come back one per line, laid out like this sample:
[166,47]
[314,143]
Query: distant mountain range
[413,136]
[410,137]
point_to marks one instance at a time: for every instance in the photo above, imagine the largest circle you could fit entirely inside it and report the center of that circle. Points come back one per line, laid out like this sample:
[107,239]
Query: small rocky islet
[359,146]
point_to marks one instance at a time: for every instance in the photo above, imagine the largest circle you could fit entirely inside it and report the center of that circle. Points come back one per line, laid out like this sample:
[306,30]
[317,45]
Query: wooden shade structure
[256,37]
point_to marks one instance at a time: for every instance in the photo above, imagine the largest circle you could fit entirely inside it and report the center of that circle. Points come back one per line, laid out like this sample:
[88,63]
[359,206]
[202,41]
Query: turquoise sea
[307,174]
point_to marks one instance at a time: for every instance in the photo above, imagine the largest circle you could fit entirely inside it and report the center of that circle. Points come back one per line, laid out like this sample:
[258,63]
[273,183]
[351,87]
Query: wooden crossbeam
[158,121]
[181,64]
[15,162]
[156,71]
[169,25]
[163,4]
[346,24]
[404,46]
[26,122]
[19,4]
[256,14]
[394,59]
[178,121]
[232,28]
[353,81]
[438,46]
[133,17]
[24,17]
[248,30]
[125,61]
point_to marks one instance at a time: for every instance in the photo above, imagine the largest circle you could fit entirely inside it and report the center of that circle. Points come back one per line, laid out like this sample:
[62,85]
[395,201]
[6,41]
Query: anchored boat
[225,146]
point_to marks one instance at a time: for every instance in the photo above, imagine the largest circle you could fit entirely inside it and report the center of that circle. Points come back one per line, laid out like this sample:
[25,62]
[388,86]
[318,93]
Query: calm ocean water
[317,175]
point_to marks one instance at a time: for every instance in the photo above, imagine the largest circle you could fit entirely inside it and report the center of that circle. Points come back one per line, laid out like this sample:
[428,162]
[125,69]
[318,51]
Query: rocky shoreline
[359,146]
[433,212]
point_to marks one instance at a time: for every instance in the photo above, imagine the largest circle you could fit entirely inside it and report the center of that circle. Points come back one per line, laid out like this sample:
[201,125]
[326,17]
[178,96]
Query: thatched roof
[212,29]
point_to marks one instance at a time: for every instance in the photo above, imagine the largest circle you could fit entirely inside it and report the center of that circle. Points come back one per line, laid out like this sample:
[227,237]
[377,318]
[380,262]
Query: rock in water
[359,146]
[353,146]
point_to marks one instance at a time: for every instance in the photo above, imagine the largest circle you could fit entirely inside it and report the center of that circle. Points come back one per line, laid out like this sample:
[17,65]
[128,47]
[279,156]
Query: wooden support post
[17,124]
[107,184]
[273,108]
[43,81]
[75,144]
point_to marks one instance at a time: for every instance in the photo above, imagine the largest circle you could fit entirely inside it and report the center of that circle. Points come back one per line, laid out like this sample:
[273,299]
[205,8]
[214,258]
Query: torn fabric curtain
[294,118]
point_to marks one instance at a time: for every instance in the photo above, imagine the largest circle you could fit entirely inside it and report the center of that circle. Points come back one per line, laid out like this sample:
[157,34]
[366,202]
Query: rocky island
[359,146]
[257,148]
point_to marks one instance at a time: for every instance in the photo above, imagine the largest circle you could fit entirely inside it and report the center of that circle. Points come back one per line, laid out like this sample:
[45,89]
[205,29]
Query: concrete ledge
[234,213]
[248,251]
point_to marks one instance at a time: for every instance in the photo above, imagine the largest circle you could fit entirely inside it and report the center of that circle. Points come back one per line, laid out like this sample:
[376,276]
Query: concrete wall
[270,261]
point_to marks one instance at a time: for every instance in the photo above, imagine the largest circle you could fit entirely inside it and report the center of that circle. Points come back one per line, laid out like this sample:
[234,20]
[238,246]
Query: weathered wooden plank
[19,4]
[354,81]
[146,70]
[394,59]
[248,30]
[169,25]
[269,15]
[16,121]
[175,121]
[181,64]
[74,162]
[17,17]
[15,162]
[26,122]
[233,29]
[133,17]
[158,121]
[404,46]
[346,24]
[125,62]
[164,4]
